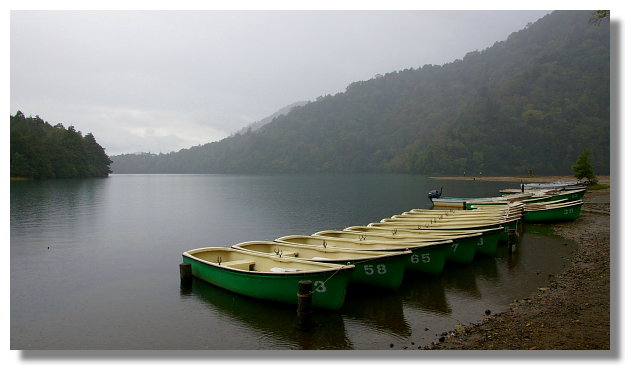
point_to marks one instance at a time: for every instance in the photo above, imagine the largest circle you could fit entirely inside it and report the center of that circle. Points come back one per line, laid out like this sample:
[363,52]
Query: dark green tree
[39,150]
[583,169]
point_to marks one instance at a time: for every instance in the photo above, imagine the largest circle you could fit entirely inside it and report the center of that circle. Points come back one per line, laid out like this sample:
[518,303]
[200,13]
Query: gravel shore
[572,312]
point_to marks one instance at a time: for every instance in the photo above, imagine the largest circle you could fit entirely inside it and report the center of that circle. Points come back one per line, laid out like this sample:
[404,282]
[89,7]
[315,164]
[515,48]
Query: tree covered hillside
[42,151]
[532,102]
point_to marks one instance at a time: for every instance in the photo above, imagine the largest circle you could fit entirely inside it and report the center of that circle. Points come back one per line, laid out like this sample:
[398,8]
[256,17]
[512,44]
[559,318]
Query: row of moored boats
[376,255]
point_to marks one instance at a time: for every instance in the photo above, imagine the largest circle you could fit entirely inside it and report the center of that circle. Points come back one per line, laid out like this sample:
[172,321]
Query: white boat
[463,202]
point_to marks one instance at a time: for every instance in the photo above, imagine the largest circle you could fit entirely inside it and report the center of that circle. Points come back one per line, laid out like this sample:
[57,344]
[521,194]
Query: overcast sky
[160,81]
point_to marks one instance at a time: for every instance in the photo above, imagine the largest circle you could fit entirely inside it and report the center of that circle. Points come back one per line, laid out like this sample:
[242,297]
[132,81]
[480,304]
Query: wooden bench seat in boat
[290,254]
[240,264]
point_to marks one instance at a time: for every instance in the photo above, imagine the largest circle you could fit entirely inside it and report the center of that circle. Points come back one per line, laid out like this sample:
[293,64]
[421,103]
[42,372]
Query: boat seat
[290,253]
[240,264]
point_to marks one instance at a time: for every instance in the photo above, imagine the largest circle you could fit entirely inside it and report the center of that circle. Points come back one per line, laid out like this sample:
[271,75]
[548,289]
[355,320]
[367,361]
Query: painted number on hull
[454,247]
[370,270]
[424,258]
[568,211]
[319,286]
[480,241]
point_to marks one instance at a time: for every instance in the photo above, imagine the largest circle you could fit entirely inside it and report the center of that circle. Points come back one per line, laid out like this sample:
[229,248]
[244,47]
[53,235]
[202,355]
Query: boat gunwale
[449,223]
[547,206]
[329,267]
[372,254]
[421,245]
[467,220]
[476,226]
[412,238]
[413,231]
[401,245]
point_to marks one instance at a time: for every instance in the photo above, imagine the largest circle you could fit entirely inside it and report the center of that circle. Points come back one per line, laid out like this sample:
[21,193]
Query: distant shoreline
[533,179]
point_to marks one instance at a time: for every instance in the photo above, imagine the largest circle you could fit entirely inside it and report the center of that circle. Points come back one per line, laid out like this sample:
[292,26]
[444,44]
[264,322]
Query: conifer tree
[583,168]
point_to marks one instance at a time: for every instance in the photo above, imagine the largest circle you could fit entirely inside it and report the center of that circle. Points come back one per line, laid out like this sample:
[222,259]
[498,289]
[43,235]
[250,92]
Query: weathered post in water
[305,299]
[186,278]
[186,271]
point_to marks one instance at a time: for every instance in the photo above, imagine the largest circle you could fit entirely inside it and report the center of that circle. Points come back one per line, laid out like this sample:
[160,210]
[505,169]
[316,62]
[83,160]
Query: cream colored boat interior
[245,261]
[311,253]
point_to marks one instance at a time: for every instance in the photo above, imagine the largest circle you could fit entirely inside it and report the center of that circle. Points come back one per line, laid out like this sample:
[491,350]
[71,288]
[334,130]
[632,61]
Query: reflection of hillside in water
[274,320]
[425,293]
[382,310]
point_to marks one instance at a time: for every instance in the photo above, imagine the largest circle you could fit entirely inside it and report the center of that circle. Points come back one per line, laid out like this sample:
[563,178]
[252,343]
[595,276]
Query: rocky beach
[573,311]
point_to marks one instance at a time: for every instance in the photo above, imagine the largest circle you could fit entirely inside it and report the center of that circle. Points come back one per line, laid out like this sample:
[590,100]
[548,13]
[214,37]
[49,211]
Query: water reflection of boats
[273,320]
[464,278]
[381,311]
[427,294]
[461,278]
[486,268]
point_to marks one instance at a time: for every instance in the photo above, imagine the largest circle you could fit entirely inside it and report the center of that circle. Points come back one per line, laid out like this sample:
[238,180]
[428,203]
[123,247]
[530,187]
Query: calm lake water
[94,263]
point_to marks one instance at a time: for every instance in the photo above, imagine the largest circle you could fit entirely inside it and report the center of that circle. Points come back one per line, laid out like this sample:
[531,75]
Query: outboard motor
[434,194]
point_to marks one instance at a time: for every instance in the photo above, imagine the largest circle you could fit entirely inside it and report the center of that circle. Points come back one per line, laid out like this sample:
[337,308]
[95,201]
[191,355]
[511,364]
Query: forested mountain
[531,102]
[259,124]
[39,150]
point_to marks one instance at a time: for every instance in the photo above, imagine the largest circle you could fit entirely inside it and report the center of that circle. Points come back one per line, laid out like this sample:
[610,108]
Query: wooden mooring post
[305,300]
[186,271]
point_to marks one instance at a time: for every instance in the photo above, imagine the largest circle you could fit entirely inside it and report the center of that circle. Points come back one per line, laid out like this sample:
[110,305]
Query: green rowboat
[377,268]
[426,257]
[432,260]
[486,244]
[570,195]
[509,225]
[270,278]
[553,212]
[462,248]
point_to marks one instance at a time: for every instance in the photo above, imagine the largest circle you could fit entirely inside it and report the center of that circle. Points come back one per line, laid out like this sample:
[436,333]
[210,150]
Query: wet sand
[572,312]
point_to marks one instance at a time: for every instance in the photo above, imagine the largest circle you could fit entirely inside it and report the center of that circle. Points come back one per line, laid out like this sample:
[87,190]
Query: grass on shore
[598,187]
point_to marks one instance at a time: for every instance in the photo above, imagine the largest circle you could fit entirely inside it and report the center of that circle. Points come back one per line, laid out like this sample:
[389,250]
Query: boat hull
[429,260]
[555,214]
[488,242]
[384,272]
[449,202]
[455,202]
[329,288]
[569,195]
[380,268]
[511,225]
[463,250]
